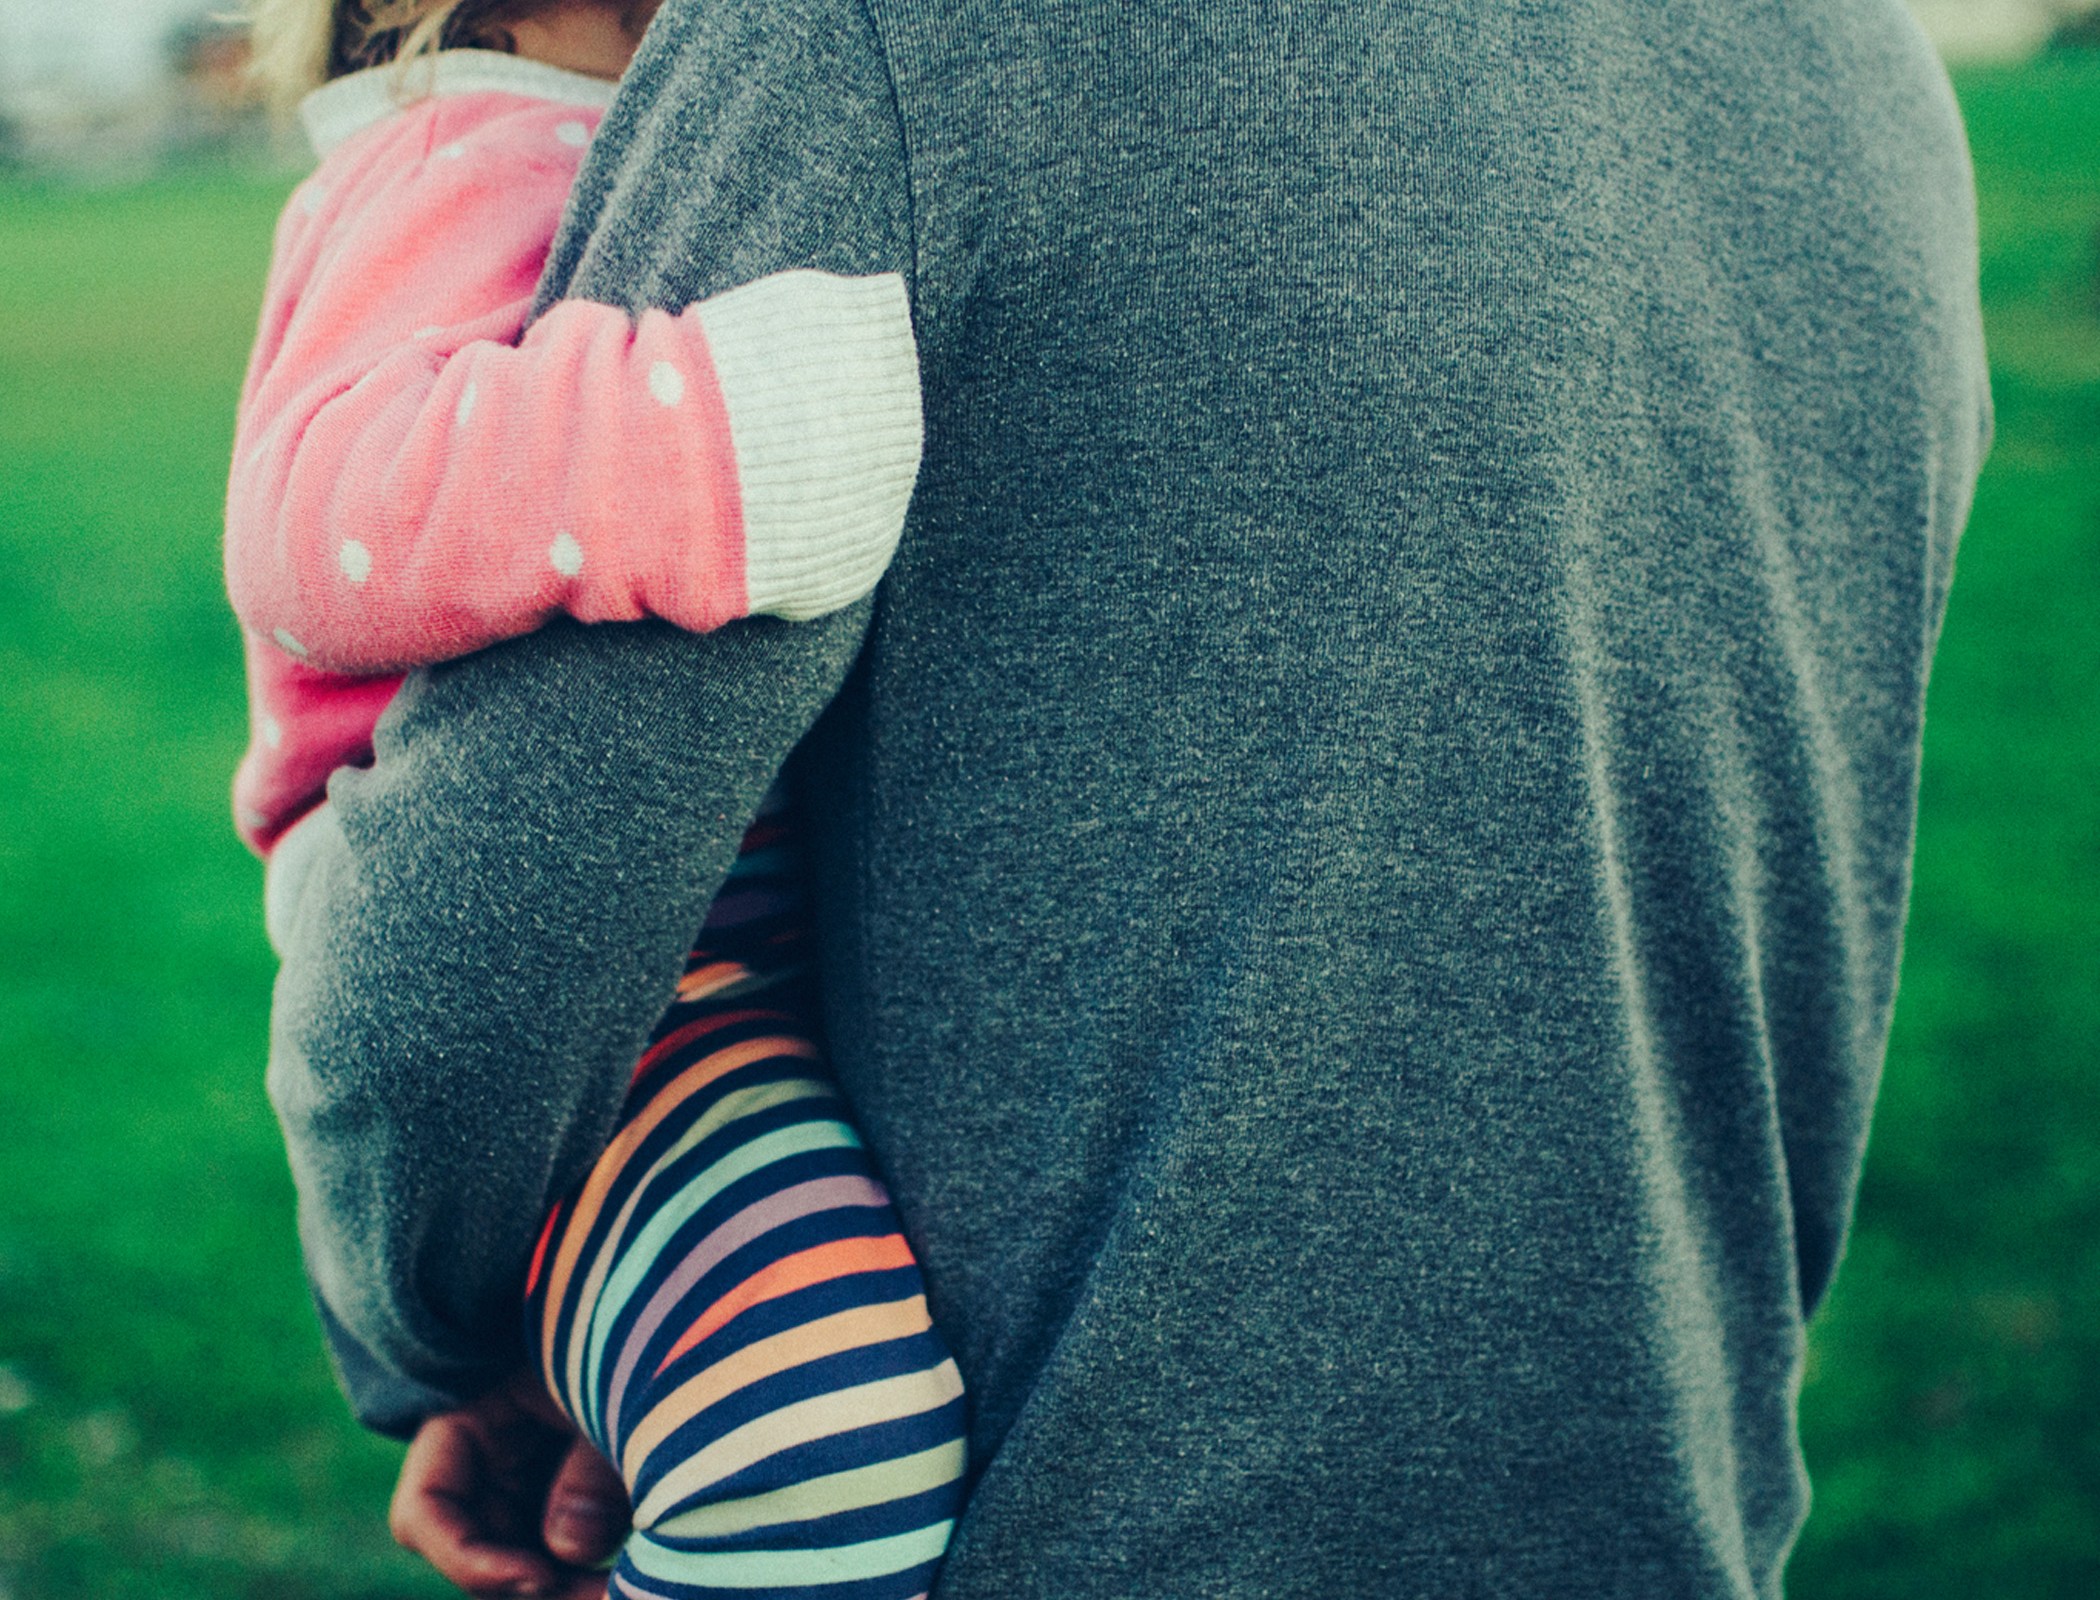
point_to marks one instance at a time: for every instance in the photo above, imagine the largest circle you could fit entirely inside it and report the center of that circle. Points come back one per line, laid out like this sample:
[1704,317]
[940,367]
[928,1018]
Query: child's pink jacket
[412,480]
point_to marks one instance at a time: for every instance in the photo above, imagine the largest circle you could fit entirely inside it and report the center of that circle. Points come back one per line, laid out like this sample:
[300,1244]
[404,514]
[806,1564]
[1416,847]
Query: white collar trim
[352,103]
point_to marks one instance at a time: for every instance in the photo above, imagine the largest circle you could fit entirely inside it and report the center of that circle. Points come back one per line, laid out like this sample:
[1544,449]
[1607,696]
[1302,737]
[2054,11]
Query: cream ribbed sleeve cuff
[820,377]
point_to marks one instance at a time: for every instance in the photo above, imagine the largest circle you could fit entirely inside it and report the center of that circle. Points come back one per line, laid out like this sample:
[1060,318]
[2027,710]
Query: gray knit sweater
[1362,843]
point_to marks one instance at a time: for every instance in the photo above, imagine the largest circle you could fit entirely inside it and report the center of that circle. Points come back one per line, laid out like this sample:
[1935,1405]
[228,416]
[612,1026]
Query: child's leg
[727,1308]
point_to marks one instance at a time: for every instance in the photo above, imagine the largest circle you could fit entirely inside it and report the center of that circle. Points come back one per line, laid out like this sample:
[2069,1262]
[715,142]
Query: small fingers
[586,1508]
[441,1511]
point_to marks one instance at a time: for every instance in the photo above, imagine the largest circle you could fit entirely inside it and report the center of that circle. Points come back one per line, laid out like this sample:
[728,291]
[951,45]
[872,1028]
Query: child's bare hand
[504,1498]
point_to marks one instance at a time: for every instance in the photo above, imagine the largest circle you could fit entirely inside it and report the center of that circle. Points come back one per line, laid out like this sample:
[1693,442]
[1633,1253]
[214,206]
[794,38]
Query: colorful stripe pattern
[726,1306]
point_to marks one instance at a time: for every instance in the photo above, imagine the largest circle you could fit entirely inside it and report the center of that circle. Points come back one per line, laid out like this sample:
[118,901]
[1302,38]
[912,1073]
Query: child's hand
[504,1498]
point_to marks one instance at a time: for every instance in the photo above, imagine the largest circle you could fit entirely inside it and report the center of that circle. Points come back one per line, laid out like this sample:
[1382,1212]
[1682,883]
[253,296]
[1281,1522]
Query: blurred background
[167,1425]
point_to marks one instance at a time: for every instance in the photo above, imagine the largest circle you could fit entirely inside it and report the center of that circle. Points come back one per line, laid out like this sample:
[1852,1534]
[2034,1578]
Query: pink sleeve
[410,485]
[413,480]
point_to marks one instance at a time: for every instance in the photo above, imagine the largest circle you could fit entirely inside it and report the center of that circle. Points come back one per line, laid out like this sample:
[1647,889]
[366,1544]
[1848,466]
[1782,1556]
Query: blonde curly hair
[298,45]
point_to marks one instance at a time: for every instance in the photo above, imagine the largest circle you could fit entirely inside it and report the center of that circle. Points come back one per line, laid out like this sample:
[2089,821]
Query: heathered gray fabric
[1362,846]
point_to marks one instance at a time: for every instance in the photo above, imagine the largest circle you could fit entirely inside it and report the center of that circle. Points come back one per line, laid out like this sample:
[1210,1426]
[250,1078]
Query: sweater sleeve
[415,482]
[493,912]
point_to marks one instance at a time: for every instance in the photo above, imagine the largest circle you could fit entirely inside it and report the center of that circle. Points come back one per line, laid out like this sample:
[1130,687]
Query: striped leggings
[726,1307]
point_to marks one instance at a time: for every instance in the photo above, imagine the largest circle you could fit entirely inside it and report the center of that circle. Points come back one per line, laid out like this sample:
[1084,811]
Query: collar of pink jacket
[348,105]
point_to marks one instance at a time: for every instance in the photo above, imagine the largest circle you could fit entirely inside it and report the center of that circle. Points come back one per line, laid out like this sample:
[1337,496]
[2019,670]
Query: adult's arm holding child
[425,1159]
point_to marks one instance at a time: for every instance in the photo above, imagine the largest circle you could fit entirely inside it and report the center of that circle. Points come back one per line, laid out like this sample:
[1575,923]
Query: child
[724,1306]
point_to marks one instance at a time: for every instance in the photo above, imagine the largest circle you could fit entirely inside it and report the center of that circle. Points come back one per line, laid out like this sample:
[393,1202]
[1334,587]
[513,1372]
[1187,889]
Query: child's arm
[410,485]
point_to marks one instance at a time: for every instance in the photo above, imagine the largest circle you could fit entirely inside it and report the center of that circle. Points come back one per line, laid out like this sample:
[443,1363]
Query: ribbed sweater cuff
[820,376]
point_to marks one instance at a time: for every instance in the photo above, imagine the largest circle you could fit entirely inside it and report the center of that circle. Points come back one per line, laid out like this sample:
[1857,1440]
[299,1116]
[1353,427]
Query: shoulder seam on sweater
[911,178]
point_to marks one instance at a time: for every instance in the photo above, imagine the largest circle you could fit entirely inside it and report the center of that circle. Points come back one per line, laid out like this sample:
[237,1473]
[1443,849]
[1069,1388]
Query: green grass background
[167,1427]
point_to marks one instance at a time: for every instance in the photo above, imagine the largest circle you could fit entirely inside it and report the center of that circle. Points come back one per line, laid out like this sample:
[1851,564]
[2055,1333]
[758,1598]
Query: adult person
[1363,842]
